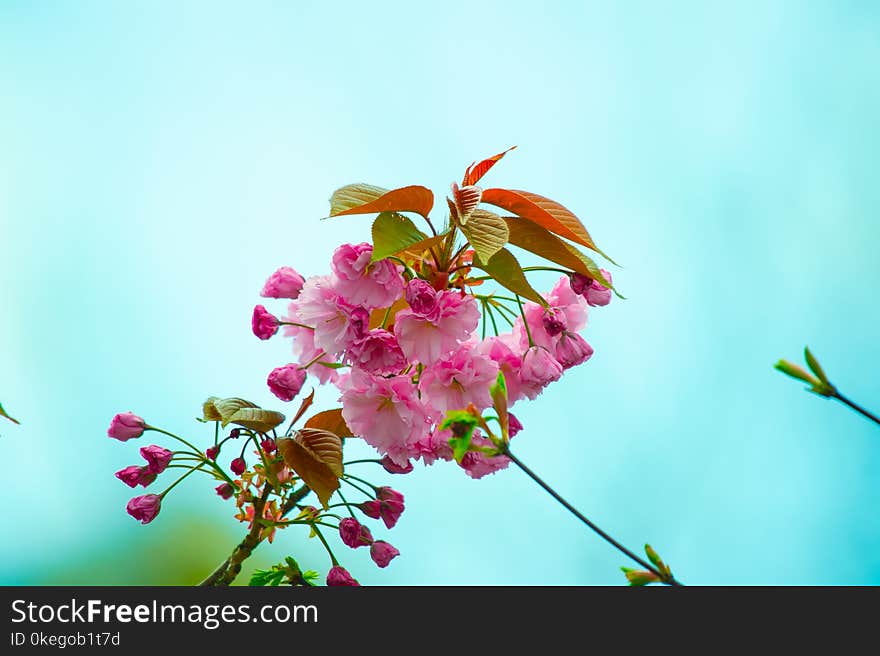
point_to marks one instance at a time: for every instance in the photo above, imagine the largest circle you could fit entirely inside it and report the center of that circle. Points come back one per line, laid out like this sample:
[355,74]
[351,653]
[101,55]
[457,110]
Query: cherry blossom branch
[231,567]
[840,397]
[668,580]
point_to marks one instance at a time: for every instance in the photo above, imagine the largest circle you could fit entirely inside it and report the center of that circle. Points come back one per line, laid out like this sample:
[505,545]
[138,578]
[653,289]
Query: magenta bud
[211,452]
[263,323]
[157,458]
[225,490]
[238,466]
[286,382]
[393,468]
[554,321]
[513,425]
[284,283]
[125,426]
[144,508]
[340,576]
[235,433]
[269,445]
[353,533]
[135,475]
[382,553]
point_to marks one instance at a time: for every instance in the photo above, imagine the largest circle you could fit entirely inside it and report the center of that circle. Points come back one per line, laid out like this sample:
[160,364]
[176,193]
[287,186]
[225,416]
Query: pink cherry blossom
[360,282]
[126,426]
[539,369]
[263,323]
[284,283]
[238,466]
[337,323]
[393,468]
[305,351]
[225,490]
[426,339]
[504,351]
[287,381]
[459,378]
[385,412]
[422,298]
[435,446]
[377,352]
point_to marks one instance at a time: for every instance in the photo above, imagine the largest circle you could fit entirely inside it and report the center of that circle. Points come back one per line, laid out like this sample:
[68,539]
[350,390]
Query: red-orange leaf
[476,171]
[545,212]
[366,199]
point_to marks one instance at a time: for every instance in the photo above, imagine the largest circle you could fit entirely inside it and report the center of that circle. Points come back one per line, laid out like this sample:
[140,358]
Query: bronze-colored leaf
[487,233]
[303,406]
[257,419]
[367,199]
[228,407]
[543,211]
[316,457]
[476,171]
[505,269]
[330,420]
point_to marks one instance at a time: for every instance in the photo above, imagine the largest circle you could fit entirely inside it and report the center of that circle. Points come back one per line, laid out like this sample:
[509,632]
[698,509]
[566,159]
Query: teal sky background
[159,160]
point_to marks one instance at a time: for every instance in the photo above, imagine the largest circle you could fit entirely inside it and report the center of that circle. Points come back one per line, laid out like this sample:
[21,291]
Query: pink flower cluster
[402,352]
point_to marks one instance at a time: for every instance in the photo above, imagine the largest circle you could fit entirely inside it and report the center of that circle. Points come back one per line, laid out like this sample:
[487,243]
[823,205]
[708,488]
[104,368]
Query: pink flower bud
[286,382]
[157,458]
[393,468]
[340,576]
[284,283]
[597,294]
[572,350]
[353,533]
[580,283]
[126,426]
[225,490]
[422,298]
[268,445]
[211,452]
[235,433]
[382,553]
[539,369]
[238,466]
[135,475]
[513,425]
[263,323]
[554,321]
[388,505]
[144,508]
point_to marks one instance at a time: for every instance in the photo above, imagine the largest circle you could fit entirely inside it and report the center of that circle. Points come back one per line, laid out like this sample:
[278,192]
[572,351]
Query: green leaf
[225,408]
[540,241]
[815,367]
[354,195]
[793,370]
[505,270]
[367,199]
[487,232]
[498,391]
[257,419]
[393,233]
[462,424]
[653,556]
[3,414]
[639,577]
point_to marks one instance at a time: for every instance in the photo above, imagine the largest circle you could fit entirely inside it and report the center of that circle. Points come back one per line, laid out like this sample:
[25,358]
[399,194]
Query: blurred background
[159,160]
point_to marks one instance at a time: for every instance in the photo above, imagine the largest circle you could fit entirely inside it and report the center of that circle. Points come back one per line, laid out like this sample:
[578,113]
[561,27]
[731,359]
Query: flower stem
[610,540]
[840,397]
[525,323]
